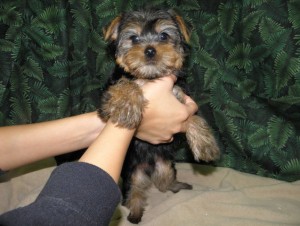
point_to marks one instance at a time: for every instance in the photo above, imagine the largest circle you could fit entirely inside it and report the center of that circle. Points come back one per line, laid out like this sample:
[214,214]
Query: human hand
[164,115]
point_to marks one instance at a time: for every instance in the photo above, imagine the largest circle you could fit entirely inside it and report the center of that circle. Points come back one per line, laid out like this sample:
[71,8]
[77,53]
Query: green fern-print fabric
[243,70]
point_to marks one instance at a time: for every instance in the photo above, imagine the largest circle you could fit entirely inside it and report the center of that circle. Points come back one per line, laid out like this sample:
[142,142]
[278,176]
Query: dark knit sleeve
[75,194]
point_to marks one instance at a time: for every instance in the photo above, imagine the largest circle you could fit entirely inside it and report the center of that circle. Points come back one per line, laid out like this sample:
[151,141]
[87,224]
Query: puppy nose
[150,52]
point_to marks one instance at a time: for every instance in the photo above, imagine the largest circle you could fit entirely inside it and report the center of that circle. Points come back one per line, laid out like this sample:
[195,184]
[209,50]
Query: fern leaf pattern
[243,70]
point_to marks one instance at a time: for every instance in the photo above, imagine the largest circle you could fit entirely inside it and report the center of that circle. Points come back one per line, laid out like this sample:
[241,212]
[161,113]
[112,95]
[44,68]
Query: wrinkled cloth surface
[220,196]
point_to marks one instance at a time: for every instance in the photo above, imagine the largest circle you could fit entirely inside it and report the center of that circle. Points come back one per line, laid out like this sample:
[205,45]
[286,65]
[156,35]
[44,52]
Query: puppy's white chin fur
[150,71]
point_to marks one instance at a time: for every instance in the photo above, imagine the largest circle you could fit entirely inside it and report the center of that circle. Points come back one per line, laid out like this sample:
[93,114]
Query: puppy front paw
[123,104]
[201,140]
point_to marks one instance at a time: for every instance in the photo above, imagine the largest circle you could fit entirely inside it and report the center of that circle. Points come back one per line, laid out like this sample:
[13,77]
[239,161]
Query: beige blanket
[220,197]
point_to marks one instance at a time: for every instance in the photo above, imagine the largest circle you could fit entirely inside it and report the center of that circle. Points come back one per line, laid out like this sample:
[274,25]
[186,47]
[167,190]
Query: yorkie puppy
[149,45]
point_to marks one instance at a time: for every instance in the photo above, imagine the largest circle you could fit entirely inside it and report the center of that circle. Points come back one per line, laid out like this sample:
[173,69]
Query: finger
[155,141]
[168,80]
[173,77]
[168,140]
[191,105]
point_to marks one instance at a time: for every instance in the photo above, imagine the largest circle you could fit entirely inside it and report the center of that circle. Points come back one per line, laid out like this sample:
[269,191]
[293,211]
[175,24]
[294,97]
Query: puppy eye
[163,36]
[135,39]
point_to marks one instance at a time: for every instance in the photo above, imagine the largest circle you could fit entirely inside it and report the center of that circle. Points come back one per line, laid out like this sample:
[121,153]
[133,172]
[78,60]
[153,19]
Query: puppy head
[149,44]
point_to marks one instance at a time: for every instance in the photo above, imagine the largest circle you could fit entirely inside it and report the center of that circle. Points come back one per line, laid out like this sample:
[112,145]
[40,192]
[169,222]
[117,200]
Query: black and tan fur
[149,45]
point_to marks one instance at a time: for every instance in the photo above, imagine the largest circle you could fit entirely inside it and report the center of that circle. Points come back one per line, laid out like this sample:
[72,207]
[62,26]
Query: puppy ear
[185,32]
[181,24]
[111,32]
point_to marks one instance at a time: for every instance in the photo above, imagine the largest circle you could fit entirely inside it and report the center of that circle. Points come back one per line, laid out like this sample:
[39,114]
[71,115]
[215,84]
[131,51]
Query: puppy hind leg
[164,178]
[176,186]
[136,197]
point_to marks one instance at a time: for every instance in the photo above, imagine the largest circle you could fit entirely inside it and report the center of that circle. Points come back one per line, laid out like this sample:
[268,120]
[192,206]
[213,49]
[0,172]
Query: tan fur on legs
[136,197]
[201,139]
[164,177]
[123,103]
[199,135]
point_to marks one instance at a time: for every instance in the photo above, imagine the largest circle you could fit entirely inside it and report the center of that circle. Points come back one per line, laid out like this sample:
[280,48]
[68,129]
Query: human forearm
[24,144]
[109,149]
[163,117]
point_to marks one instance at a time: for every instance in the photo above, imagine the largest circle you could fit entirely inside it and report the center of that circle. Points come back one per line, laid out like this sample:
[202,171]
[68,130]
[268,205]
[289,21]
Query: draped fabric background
[243,70]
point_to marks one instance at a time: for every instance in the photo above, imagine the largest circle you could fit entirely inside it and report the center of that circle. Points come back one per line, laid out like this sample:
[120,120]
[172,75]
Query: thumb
[190,104]
[169,81]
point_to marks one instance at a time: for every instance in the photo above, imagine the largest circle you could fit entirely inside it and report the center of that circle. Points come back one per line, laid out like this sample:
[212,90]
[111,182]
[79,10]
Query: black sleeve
[75,194]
